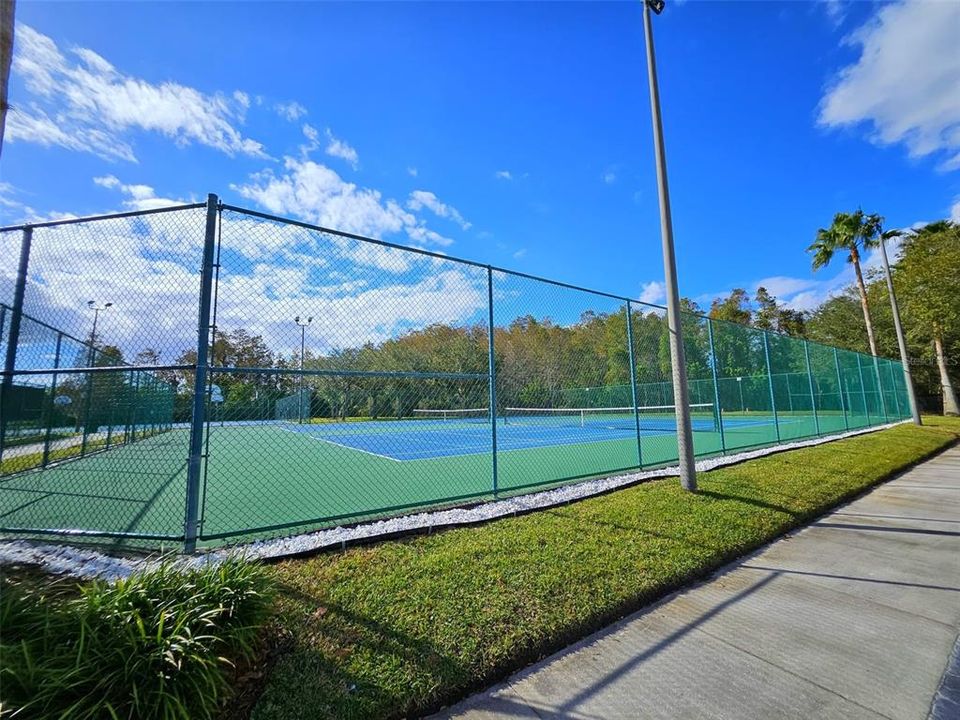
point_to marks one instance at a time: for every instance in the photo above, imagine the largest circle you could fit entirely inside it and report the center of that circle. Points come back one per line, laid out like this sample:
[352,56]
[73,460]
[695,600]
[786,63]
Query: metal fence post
[716,386]
[893,391]
[813,397]
[773,402]
[191,524]
[843,405]
[13,337]
[492,380]
[51,406]
[863,390]
[883,402]
[633,382]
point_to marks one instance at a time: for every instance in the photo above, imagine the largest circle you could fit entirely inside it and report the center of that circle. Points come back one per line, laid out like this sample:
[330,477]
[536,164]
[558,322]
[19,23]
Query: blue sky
[511,134]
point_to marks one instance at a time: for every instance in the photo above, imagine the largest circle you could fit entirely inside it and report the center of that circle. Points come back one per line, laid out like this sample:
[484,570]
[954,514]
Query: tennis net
[651,417]
[462,414]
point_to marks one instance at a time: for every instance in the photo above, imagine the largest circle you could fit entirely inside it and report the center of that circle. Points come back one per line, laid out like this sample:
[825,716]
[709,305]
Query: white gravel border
[89,563]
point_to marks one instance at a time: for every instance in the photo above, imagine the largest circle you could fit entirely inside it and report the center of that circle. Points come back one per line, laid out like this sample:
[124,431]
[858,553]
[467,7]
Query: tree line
[538,361]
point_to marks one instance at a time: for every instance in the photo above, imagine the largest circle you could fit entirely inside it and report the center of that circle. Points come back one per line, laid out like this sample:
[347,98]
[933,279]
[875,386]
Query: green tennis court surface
[272,477]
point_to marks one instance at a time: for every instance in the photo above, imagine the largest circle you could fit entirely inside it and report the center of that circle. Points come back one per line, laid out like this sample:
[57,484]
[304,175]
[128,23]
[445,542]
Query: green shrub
[154,645]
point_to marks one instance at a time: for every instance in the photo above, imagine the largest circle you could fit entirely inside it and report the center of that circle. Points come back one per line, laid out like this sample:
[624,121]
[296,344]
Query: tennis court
[335,472]
[285,377]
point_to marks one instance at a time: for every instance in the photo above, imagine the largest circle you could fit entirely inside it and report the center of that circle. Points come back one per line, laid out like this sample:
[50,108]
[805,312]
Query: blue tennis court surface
[429,439]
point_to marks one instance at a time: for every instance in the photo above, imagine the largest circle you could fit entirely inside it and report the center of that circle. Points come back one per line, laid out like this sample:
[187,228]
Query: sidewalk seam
[794,674]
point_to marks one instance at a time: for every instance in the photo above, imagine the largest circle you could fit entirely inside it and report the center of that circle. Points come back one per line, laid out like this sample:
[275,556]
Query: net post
[718,412]
[863,390]
[194,463]
[773,401]
[13,338]
[633,381]
[843,405]
[492,381]
[50,404]
[813,397]
[883,403]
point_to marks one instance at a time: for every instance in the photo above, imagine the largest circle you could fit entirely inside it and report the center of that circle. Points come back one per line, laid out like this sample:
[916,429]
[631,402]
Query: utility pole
[681,399]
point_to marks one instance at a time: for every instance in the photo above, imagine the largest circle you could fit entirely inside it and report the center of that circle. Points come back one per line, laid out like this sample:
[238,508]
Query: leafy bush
[154,645]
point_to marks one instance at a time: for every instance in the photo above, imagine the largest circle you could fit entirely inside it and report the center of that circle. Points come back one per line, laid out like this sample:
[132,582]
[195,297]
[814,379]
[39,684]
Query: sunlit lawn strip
[403,627]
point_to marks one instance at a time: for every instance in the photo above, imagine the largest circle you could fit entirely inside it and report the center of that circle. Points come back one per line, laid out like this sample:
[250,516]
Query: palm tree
[851,233]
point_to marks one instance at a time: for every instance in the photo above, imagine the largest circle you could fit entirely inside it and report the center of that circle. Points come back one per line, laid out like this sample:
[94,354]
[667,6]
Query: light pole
[905,361]
[97,309]
[740,385]
[303,323]
[91,359]
[688,472]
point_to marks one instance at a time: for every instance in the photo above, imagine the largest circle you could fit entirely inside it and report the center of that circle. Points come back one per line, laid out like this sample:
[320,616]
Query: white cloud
[107,181]
[9,200]
[412,171]
[653,292]
[423,235]
[313,140]
[34,125]
[906,83]
[836,12]
[609,177]
[291,111]
[955,211]
[339,149]
[85,104]
[781,286]
[420,199]
[318,194]
[140,197]
[503,175]
[357,292]
[520,254]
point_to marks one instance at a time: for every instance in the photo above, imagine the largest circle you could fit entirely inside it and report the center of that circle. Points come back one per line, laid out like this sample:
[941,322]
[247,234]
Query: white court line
[348,447]
[526,443]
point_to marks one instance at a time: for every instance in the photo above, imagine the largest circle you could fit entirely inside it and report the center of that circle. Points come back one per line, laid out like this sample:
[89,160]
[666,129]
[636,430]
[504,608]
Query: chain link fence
[207,374]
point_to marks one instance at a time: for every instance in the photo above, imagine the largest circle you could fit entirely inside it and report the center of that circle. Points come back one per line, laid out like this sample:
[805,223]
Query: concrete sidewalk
[854,616]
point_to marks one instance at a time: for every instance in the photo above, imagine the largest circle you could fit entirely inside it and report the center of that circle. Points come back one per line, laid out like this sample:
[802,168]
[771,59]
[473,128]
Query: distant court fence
[207,374]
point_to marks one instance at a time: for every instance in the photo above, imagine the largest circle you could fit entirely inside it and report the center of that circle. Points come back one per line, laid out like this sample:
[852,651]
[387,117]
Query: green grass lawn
[402,627]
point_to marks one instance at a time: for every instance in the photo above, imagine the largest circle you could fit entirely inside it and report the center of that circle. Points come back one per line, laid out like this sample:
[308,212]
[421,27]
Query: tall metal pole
[195,461]
[688,473]
[303,341]
[303,335]
[901,341]
[91,361]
